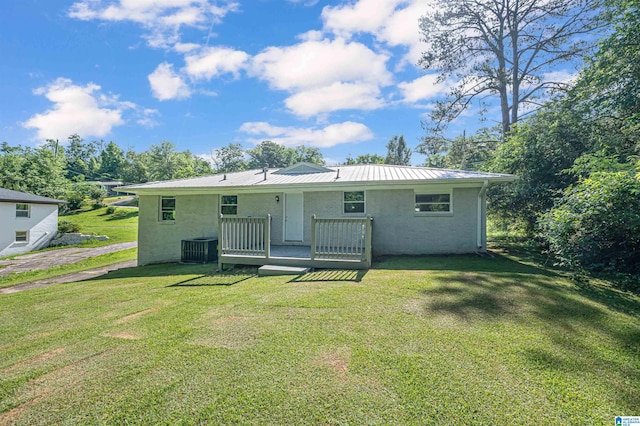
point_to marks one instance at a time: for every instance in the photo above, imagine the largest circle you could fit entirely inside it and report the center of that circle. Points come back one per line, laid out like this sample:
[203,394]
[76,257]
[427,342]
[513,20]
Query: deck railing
[245,236]
[341,239]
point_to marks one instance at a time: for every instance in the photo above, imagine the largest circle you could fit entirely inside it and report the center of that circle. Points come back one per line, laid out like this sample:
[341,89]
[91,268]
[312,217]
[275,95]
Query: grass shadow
[212,280]
[159,270]
[331,275]
[492,262]
[123,214]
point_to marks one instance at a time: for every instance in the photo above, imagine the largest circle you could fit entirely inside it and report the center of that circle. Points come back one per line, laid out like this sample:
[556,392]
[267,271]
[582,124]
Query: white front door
[293,217]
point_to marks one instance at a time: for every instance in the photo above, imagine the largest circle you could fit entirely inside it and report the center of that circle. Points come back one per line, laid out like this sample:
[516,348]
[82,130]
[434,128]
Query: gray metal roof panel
[23,197]
[369,173]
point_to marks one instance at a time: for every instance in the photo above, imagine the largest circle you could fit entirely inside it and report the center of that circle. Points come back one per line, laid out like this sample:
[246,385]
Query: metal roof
[361,174]
[23,197]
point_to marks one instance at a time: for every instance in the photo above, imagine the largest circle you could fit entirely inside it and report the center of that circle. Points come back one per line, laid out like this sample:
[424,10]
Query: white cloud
[393,22]
[162,18]
[147,118]
[166,84]
[560,76]
[213,61]
[362,16]
[316,63]
[334,134]
[337,96]
[76,109]
[423,88]
[185,47]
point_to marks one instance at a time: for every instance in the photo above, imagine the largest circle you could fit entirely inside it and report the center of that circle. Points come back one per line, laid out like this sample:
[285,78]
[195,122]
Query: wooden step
[272,270]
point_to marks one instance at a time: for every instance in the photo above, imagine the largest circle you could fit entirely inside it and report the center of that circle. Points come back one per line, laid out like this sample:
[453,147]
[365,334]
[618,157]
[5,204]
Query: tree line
[577,158]
[65,171]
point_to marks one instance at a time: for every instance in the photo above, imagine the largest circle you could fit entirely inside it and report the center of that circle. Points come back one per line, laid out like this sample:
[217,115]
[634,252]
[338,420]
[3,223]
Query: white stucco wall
[160,241]
[41,226]
[396,228]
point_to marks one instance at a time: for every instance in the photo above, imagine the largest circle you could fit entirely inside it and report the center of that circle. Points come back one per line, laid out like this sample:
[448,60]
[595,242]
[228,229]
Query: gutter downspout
[481,194]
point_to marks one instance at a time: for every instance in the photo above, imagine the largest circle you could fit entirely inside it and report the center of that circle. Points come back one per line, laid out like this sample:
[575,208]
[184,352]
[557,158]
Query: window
[22,236]
[229,204]
[353,202]
[168,208]
[433,203]
[22,210]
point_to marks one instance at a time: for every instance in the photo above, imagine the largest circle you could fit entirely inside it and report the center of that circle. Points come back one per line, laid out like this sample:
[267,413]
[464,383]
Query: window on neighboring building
[22,210]
[168,208]
[229,204]
[353,201]
[433,203]
[22,236]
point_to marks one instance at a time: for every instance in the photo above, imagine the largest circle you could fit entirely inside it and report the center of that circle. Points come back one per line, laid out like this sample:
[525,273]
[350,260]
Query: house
[27,222]
[108,187]
[312,215]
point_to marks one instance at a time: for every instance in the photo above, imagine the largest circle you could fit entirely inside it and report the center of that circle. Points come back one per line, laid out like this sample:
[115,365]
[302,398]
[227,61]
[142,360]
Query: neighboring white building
[27,222]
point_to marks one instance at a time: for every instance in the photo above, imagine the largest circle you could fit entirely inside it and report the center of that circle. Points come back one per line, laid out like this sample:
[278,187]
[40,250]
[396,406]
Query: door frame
[284,216]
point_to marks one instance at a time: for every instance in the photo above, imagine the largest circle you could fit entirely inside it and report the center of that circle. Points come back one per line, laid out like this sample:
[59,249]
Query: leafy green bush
[65,227]
[110,210]
[596,225]
[75,200]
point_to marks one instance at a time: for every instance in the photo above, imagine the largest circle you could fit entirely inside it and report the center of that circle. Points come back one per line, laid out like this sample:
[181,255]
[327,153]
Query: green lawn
[69,268]
[121,226]
[432,340]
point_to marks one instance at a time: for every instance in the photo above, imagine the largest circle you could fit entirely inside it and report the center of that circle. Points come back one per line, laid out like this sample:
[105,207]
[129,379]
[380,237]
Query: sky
[340,76]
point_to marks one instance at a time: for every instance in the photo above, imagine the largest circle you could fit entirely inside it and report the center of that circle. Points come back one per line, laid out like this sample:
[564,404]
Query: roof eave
[336,184]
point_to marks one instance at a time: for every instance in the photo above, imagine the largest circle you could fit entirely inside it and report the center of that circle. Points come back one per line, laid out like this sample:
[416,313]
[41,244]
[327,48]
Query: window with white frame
[433,203]
[22,236]
[229,204]
[22,210]
[167,208]
[353,202]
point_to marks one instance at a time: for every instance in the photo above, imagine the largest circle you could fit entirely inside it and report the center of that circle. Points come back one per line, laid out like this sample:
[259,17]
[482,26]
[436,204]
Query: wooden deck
[292,256]
[343,243]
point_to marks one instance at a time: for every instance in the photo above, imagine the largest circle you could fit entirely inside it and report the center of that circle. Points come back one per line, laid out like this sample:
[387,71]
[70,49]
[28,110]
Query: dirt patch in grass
[32,361]
[230,332]
[135,315]
[337,361]
[49,384]
[127,335]
[227,319]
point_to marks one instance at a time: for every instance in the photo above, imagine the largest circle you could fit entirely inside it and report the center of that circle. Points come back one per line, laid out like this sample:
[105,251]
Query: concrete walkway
[47,259]
[69,278]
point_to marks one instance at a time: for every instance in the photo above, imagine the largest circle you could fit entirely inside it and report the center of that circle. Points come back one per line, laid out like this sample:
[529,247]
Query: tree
[596,225]
[308,155]
[505,48]
[463,152]
[270,154]
[398,152]
[600,114]
[79,158]
[135,169]
[111,162]
[365,159]
[229,158]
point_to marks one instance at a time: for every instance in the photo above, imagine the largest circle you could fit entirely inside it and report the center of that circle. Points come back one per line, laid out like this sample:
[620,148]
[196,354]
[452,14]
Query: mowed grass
[432,340]
[69,268]
[120,227]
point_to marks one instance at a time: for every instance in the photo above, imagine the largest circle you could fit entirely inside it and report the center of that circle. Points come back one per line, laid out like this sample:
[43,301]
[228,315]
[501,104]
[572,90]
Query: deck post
[267,237]
[368,241]
[220,242]
[313,238]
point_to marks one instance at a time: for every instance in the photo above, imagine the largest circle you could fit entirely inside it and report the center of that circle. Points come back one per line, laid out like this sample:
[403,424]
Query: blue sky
[341,76]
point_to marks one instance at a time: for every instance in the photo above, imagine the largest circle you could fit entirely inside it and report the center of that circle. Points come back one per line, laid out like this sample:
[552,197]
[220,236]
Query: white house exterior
[409,210]
[27,222]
